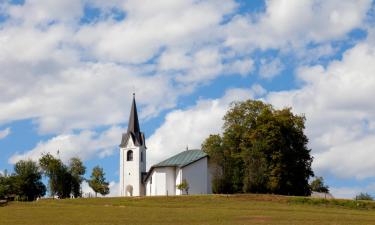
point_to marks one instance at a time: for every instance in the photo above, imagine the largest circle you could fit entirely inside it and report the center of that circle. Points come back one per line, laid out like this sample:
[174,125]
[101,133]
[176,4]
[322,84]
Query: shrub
[364,196]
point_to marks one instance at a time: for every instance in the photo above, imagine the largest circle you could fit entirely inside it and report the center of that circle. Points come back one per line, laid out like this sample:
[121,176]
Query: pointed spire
[133,125]
[134,132]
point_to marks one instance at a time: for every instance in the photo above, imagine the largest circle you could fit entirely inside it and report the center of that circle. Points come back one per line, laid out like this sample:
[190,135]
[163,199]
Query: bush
[184,186]
[364,196]
[333,202]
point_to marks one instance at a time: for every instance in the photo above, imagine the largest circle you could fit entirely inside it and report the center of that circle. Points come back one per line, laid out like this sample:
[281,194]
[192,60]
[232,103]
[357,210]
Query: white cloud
[151,26]
[344,192]
[189,127]
[39,12]
[79,97]
[351,192]
[203,65]
[114,189]
[85,145]
[4,133]
[65,75]
[338,104]
[270,68]
[296,23]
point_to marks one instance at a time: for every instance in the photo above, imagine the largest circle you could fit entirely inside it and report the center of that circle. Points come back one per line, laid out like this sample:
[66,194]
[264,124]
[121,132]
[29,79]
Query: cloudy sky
[68,69]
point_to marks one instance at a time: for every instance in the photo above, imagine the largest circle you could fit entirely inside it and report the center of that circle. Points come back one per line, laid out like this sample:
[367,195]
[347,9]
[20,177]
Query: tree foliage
[29,180]
[77,170]
[64,181]
[364,196]
[59,177]
[184,186]
[25,184]
[8,186]
[97,181]
[262,150]
[318,185]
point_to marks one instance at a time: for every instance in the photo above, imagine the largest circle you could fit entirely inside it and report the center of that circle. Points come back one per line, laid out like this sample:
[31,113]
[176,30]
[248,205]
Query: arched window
[129,155]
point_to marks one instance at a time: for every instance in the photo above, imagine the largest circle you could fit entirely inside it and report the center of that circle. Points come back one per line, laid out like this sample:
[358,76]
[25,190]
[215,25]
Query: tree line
[64,181]
[261,150]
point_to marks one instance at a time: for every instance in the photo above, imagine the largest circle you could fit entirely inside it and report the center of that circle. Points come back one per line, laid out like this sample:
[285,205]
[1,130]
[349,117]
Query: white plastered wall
[196,174]
[161,182]
[131,171]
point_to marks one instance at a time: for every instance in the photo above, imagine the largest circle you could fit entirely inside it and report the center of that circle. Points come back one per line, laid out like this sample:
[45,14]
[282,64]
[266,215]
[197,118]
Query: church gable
[136,139]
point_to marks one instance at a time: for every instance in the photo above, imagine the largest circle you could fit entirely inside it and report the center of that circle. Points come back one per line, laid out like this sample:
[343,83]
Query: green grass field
[210,209]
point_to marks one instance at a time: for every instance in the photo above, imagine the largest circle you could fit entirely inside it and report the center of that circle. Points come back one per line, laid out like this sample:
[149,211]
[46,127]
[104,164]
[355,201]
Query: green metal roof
[182,159]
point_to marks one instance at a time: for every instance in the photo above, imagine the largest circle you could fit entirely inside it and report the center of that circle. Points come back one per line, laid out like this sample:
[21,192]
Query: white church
[162,179]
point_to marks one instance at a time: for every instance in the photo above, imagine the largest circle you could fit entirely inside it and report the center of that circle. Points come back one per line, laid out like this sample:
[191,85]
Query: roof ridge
[182,158]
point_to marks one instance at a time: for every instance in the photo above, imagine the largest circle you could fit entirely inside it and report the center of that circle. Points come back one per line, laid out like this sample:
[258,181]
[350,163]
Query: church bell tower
[132,157]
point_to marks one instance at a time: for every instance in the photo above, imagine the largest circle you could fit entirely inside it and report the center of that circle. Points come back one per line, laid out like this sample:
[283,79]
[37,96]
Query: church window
[129,156]
[141,156]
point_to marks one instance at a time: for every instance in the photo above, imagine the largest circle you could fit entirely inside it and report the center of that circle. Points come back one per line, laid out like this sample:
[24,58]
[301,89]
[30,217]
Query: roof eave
[206,156]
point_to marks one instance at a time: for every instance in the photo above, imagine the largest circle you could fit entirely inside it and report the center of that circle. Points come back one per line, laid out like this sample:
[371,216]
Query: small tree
[364,196]
[8,186]
[318,185]
[28,180]
[97,181]
[4,187]
[77,170]
[184,186]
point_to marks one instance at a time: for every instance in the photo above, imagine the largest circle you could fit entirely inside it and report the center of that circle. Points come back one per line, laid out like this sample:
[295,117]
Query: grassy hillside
[212,209]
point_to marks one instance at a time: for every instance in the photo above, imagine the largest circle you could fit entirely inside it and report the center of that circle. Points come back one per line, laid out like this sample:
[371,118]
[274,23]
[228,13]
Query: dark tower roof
[134,132]
[133,125]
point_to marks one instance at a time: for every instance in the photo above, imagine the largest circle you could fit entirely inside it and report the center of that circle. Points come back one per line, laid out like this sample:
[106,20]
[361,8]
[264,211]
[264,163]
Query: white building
[132,157]
[189,165]
[162,178]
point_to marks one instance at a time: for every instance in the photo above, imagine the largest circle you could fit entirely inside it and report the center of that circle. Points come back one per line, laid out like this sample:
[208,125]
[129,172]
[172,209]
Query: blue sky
[69,68]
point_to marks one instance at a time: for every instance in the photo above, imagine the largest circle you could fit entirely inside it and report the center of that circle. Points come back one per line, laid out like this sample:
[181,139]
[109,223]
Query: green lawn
[210,209]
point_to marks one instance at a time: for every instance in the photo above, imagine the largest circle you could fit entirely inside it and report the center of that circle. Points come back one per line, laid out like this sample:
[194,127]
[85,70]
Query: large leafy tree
[28,180]
[261,150]
[97,181]
[64,181]
[56,171]
[222,168]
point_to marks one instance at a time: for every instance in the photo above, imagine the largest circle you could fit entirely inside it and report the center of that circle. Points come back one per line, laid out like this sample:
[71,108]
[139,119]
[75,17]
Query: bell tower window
[129,155]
